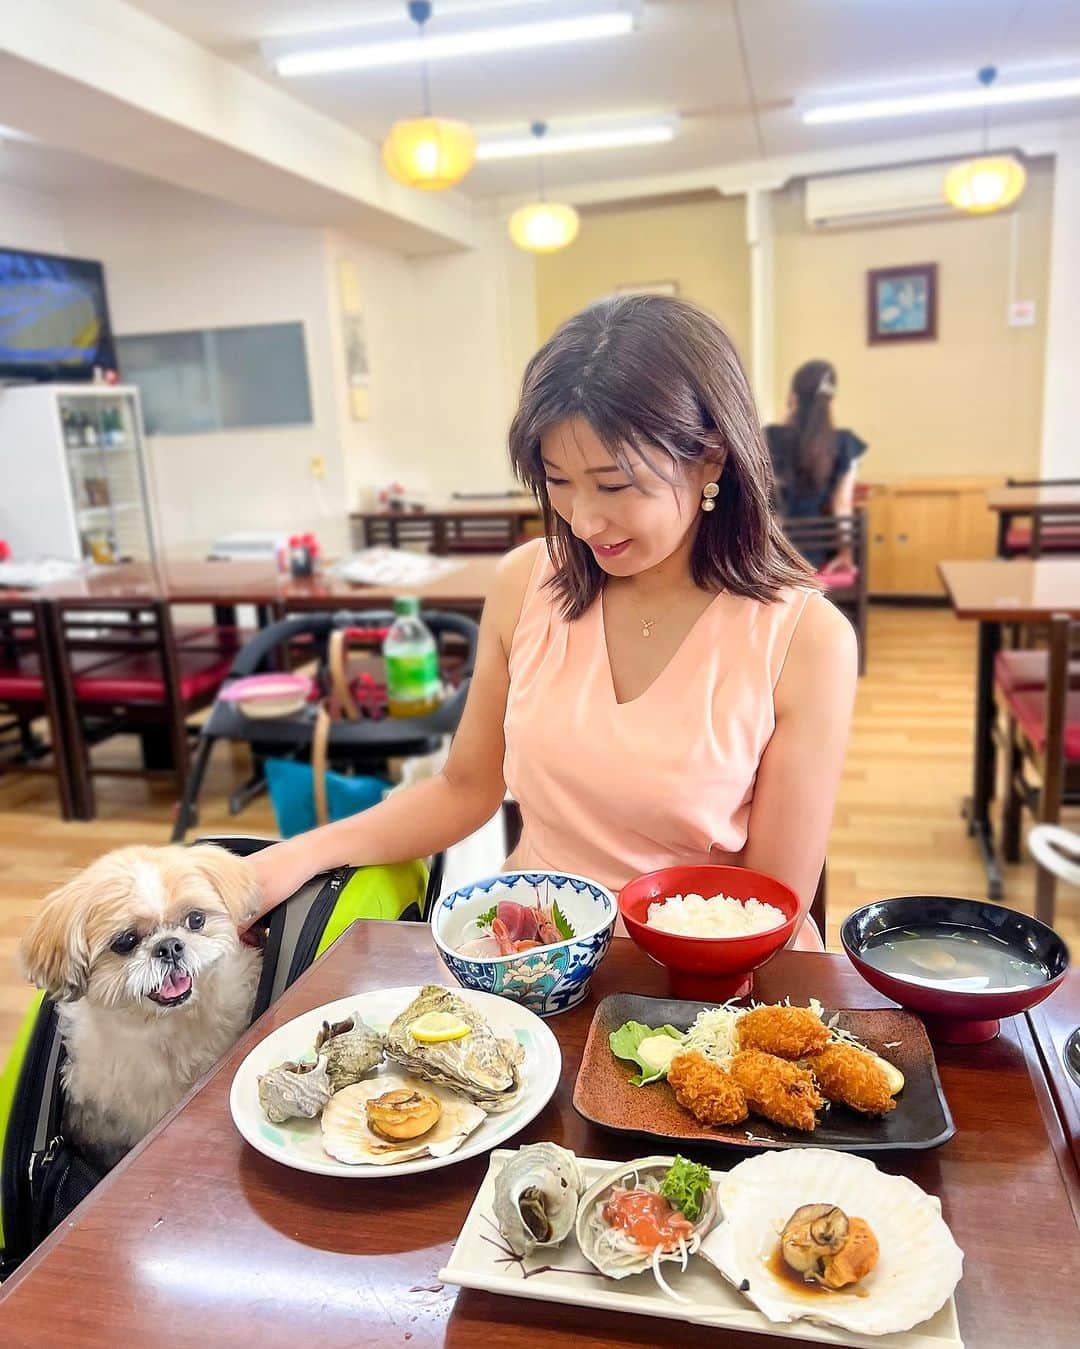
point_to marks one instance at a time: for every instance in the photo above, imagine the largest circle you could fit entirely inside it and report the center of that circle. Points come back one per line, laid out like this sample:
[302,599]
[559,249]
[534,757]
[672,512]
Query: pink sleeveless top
[610,790]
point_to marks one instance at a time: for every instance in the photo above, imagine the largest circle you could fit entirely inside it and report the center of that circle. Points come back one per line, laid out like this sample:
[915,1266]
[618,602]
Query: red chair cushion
[840,578]
[22,683]
[139,679]
[1056,538]
[1028,706]
[1026,670]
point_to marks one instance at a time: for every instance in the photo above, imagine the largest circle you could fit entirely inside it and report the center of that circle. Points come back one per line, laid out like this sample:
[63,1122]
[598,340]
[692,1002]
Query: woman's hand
[842,561]
[280,871]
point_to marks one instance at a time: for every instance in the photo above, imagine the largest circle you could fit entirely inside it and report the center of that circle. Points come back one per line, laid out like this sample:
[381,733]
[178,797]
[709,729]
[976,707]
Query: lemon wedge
[435,1027]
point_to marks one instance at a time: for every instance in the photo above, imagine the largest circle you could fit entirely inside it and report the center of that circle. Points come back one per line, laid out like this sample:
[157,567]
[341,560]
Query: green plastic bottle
[413,685]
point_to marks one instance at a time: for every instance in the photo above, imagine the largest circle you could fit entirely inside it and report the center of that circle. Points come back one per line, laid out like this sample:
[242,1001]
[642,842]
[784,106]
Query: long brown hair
[813,386]
[646,370]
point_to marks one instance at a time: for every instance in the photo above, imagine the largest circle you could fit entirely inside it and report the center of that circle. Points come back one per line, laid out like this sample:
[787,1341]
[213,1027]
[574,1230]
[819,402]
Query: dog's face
[139,927]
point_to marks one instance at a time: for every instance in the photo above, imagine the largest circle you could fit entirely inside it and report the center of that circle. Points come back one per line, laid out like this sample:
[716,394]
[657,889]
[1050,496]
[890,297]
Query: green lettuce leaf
[625,1042]
[686,1185]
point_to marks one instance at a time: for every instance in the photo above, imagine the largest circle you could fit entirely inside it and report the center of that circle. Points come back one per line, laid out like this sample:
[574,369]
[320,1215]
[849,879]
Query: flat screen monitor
[54,317]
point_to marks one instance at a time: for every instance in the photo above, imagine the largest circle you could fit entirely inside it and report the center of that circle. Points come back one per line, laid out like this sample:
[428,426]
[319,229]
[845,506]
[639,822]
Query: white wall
[1061,390]
[175,260]
[30,219]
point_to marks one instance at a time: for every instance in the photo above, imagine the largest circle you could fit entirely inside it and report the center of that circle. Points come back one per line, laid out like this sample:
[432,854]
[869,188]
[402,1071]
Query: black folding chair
[365,744]
[848,589]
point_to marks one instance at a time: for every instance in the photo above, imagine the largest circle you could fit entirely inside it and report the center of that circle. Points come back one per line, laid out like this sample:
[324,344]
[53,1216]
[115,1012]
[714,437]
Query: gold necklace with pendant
[647,625]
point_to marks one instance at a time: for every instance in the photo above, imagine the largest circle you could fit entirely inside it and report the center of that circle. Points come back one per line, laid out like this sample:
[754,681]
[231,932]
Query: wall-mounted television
[54,317]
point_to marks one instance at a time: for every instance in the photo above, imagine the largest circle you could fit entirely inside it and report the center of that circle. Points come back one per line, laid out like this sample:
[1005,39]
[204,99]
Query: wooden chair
[1043,746]
[142,681]
[396,529]
[28,694]
[479,534]
[847,588]
[1039,534]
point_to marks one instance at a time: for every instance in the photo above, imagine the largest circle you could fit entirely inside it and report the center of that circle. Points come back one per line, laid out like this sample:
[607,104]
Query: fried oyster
[705,1089]
[851,1077]
[780,1091]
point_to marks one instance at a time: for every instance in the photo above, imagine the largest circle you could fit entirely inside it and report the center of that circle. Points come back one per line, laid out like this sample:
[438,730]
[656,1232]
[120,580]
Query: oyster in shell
[919,1263]
[348,1137]
[351,1048]
[536,1197]
[613,1251]
[294,1091]
[479,1065]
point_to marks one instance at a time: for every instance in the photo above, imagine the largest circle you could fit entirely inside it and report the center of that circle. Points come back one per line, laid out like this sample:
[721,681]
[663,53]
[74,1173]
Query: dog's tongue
[174,985]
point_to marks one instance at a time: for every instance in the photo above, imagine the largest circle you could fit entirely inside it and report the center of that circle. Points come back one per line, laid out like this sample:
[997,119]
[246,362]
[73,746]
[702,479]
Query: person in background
[814,463]
[659,680]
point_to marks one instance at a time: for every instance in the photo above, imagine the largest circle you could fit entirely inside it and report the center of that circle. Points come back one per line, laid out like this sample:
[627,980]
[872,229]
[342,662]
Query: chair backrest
[1042,482]
[398,531]
[480,534]
[829,533]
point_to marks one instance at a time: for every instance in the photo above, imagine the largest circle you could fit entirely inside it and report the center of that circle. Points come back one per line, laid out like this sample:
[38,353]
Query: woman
[814,463]
[657,682]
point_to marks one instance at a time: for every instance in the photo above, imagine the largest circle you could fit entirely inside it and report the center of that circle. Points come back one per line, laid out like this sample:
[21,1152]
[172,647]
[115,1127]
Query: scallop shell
[479,1065]
[919,1266]
[592,1230]
[294,1091]
[352,1049]
[347,1137]
[536,1197]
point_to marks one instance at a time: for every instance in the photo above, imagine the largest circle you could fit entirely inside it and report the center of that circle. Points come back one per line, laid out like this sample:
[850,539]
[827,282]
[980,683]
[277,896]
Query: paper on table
[393,566]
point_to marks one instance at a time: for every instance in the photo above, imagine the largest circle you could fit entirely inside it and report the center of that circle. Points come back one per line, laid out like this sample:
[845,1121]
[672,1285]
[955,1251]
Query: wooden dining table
[993,594]
[1053,1023]
[197,1239]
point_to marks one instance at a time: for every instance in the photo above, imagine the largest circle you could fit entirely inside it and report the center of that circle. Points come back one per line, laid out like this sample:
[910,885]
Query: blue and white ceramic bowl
[548,979]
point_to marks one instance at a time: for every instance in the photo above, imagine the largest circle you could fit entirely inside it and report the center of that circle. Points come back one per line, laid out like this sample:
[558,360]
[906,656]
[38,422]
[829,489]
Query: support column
[759,239]
[1061,387]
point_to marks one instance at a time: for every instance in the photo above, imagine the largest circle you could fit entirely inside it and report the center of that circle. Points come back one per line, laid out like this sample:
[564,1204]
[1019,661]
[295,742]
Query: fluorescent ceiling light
[945,100]
[555,142]
[441,47]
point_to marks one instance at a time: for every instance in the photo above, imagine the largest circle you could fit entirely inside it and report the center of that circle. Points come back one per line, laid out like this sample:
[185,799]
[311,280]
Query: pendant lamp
[988,182]
[543,226]
[428,153]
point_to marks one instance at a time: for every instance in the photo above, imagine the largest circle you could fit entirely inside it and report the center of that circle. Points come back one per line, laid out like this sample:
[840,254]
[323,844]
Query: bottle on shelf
[413,685]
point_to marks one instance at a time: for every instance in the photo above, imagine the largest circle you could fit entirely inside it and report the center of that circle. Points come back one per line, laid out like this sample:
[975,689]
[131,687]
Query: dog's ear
[55,953]
[231,877]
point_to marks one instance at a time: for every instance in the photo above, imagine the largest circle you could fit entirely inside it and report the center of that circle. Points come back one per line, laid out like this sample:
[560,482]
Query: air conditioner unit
[849,199]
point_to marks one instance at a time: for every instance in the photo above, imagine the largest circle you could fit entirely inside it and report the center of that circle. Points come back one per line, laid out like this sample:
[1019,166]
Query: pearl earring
[708,495]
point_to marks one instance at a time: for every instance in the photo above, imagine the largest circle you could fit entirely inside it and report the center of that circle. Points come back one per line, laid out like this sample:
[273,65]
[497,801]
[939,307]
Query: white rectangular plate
[480,1259]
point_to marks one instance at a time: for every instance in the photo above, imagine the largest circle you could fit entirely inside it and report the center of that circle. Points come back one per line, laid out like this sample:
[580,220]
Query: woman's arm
[799,774]
[441,810]
[842,502]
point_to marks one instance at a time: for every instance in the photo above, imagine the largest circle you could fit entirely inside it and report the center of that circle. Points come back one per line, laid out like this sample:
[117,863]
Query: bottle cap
[407,606]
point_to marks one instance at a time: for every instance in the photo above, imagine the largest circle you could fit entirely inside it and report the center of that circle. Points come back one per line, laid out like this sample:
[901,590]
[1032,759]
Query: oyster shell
[536,1196]
[347,1136]
[613,1252]
[294,1091]
[479,1065]
[351,1048]
[919,1263]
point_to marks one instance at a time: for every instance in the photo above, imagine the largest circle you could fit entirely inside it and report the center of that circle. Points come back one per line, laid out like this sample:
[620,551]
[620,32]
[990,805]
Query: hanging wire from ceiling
[759,135]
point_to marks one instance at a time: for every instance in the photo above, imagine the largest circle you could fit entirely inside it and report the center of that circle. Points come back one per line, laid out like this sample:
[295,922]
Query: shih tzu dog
[142,954]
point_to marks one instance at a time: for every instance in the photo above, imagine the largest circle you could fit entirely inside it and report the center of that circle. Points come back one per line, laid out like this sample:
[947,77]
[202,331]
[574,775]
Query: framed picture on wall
[901,303]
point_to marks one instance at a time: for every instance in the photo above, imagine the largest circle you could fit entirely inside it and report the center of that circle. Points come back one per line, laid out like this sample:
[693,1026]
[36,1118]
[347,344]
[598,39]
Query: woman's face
[631,523]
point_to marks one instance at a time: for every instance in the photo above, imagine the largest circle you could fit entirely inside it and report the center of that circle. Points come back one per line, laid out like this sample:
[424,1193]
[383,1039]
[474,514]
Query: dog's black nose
[171,949]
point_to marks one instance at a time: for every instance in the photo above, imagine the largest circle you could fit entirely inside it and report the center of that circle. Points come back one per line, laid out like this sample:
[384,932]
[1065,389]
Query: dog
[142,954]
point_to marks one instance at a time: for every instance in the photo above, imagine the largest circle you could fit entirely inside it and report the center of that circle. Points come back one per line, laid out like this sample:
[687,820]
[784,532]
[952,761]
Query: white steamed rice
[720,916]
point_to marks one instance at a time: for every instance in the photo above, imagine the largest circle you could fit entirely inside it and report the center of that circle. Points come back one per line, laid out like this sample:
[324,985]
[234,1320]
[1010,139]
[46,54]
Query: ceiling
[686,57]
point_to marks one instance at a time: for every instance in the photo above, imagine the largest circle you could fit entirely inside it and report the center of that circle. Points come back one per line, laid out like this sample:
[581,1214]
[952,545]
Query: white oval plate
[298,1142]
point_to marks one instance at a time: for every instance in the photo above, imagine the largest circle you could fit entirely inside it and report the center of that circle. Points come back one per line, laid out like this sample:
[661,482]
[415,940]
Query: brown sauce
[792,1279]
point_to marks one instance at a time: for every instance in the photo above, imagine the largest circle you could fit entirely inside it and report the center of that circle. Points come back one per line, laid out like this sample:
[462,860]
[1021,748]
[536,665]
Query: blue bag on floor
[292,793]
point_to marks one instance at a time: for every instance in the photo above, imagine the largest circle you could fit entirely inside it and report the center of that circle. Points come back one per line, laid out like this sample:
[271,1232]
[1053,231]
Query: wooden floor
[897,831]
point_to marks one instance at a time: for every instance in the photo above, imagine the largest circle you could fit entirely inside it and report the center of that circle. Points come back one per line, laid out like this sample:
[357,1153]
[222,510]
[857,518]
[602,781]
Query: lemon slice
[434,1027]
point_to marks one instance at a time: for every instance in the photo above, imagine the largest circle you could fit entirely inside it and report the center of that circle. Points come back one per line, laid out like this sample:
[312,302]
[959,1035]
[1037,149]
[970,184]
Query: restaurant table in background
[1055,507]
[994,593]
[200,1239]
[463,524]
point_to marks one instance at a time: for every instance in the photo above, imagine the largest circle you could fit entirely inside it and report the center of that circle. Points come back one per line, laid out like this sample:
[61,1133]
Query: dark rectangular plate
[604,1095]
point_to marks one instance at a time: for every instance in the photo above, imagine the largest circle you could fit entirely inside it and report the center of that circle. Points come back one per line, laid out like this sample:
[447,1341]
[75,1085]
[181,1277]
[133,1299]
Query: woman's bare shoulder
[512,576]
[823,653]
